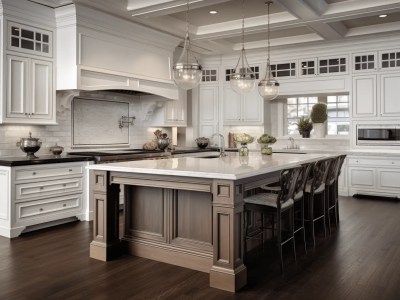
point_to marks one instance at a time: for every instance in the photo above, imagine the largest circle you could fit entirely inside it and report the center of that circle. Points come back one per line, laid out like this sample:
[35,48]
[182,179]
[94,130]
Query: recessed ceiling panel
[227,11]
[335,1]
[372,20]
[273,35]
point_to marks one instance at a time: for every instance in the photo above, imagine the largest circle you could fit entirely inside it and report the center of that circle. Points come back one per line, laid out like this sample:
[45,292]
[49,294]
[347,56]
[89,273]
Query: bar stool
[330,194]
[298,199]
[280,204]
[315,195]
[334,195]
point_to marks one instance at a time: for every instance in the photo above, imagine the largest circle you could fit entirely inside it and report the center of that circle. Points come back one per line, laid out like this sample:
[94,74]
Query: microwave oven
[384,135]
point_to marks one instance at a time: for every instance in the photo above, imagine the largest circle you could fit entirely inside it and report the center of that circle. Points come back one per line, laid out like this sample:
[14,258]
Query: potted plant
[304,126]
[318,118]
[264,140]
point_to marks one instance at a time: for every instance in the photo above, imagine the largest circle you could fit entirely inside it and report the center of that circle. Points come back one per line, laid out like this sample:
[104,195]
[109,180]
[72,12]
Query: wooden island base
[190,222]
[183,211]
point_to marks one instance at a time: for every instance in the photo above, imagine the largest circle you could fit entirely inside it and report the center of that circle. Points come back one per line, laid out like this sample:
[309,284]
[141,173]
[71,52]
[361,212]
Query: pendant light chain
[242,24]
[269,45]
[187,29]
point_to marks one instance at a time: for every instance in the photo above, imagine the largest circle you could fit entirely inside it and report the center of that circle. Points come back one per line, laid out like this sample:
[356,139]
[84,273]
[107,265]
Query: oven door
[387,135]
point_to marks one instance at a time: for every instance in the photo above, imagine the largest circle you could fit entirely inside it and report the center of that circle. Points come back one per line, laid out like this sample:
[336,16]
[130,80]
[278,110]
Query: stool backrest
[339,165]
[288,180]
[320,173]
[332,172]
[302,180]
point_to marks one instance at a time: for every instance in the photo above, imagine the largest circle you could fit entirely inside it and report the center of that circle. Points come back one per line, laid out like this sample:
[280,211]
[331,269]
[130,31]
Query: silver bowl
[29,145]
[162,143]
[56,150]
[202,142]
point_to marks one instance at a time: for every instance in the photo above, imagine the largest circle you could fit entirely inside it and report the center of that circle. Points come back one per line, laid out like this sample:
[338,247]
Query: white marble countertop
[230,167]
[369,152]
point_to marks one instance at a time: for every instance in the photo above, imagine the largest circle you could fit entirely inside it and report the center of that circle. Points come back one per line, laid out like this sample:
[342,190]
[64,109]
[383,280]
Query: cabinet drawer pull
[33,173]
[41,188]
[40,209]
[64,184]
[70,170]
[64,205]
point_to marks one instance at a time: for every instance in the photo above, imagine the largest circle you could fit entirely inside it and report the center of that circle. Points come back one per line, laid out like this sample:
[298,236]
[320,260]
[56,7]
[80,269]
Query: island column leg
[105,196]
[228,271]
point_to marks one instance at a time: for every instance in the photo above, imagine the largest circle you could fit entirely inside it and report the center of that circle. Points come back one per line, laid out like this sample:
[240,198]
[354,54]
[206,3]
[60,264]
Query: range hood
[106,53]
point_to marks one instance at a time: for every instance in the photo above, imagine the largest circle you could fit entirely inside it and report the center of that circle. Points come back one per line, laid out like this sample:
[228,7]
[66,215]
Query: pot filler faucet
[220,144]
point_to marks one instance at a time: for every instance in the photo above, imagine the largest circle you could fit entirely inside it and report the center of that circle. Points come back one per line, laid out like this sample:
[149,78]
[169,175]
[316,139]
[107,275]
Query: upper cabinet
[99,51]
[335,65]
[242,110]
[28,69]
[208,110]
[376,95]
[176,111]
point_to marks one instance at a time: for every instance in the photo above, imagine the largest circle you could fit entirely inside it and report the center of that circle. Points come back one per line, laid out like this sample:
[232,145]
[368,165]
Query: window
[390,59]
[284,70]
[209,75]
[29,39]
[338,115]
[229,72]
[297,108]
[338,122]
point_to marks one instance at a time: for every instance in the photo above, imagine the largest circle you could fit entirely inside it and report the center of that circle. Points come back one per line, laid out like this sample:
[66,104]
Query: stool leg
[293,239]
[323,209]
[327,208]
[280,242]
[302,223]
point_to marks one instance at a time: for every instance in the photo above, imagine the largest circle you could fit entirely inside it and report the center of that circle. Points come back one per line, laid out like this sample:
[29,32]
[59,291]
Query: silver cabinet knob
[64,205]
[40,209]
[33,173]
[41,188]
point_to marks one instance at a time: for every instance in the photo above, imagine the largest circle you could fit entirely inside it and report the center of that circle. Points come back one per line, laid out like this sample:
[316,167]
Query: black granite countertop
[12,161]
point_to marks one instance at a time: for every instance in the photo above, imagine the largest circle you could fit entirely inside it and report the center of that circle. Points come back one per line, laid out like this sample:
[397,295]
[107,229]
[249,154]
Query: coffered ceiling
[292,21]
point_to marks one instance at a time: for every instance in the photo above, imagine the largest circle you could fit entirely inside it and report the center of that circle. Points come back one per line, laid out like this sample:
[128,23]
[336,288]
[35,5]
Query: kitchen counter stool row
[303,196]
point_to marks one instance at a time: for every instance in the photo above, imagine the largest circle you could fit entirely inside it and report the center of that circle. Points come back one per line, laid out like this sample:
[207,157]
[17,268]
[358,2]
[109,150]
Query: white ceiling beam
[305,38]
[157,8]
[302,9]
[374,29]
[331,31]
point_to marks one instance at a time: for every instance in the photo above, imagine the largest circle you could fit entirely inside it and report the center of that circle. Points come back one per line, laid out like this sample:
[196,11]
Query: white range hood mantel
[97,51]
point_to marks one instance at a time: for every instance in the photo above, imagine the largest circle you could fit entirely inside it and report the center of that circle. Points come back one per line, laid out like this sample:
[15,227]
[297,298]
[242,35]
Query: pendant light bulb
[243,79]
[187,71]
[268,88]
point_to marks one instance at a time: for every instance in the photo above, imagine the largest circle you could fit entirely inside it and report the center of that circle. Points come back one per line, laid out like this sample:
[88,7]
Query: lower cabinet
[374,176]
[33,195]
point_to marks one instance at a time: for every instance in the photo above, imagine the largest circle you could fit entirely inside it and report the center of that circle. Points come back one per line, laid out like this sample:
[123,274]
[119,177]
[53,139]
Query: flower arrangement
[264,140]
[243,138]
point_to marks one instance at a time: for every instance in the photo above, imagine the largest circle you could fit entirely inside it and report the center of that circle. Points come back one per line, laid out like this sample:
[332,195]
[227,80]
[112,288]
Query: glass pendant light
[269,86]
[243,79]
[186,72]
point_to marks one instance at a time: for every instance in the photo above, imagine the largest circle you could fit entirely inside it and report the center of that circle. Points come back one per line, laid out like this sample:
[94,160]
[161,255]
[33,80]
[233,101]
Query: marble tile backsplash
[61,133]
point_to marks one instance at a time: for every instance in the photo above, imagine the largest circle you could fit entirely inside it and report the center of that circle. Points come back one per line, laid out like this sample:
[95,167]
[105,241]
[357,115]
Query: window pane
[27,44]
[27,34]
[292,111]
[302,100]
[292,100]
[303,110]
[313,100]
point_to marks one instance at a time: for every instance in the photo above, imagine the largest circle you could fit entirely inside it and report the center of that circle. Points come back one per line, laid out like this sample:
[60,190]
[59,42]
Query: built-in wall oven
[374,135]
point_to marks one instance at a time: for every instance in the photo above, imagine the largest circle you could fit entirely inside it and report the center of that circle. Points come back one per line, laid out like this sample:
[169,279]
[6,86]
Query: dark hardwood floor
[359,260]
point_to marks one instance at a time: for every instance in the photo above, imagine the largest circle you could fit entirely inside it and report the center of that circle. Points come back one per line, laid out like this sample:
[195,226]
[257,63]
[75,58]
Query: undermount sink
[209,156]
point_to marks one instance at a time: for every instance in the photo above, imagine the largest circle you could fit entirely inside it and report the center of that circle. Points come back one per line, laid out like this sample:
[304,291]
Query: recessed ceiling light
[213,12]
[382,16]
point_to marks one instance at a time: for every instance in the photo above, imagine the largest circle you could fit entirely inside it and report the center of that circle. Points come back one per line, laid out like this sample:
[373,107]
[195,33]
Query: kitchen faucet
[221,143]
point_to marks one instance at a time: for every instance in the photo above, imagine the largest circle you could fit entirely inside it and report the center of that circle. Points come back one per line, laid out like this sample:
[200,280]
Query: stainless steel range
[107,156]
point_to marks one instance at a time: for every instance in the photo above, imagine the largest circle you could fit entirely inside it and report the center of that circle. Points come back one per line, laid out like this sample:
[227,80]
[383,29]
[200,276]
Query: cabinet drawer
[46,172]
[31,209]
[374,162]
[48,188]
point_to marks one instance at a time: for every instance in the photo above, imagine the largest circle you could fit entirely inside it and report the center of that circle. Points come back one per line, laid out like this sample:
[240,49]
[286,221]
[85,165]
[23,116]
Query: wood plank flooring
[360,260]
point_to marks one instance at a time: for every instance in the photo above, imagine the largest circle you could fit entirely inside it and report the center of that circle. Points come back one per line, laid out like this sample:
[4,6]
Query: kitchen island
[185,211]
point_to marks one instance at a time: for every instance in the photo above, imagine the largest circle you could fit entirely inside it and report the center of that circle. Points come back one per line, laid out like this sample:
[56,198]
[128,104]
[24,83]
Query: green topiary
[318,113]
[304,124]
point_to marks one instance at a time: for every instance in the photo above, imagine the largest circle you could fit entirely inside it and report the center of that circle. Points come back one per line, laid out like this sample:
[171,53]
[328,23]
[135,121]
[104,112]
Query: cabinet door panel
[390,95]
[208,104]
[42,89]
[389,178]
[207,130]
[252,107]
[17,86]
[232,106]
[364,96]
[364,177]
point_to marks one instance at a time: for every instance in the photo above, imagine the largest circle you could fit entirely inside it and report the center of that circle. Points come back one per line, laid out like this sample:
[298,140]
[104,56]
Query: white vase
[319,130]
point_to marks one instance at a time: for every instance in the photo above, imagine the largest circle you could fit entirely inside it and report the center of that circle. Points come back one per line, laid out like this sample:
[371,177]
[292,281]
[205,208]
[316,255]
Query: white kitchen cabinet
[208,110]
[390,94]
[377,176]
[29,90]
[36,194]
[364,96]
[324,66]
[376,95]
[242,110]
[364,62]
[176,111]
